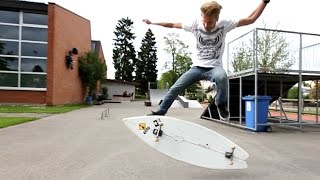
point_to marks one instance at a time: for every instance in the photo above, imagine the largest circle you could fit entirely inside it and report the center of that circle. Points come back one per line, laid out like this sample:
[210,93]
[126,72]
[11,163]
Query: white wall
[118,89]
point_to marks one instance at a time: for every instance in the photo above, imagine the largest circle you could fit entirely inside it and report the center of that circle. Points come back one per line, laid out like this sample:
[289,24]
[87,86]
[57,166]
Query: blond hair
[211,8]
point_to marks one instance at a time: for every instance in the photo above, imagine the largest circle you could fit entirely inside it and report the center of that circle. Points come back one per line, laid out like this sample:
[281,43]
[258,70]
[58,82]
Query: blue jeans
[193,75]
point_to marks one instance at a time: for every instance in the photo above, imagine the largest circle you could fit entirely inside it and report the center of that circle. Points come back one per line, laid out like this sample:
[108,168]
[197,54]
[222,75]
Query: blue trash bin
[89,100]
[262,113]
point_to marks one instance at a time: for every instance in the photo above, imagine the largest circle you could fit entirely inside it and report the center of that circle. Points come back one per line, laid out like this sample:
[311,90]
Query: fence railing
[275,51]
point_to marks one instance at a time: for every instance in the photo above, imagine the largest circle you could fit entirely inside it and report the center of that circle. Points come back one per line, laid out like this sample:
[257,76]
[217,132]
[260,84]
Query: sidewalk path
[294,116]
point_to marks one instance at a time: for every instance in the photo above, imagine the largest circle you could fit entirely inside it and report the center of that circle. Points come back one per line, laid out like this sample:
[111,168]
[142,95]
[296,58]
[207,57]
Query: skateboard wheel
[156,139]
[160,124]
[231,163]
[228,155]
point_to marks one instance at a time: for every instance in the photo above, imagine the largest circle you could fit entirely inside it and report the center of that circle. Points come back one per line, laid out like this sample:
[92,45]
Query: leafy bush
[293,93]
[210,99]
[91,70]
[104,93]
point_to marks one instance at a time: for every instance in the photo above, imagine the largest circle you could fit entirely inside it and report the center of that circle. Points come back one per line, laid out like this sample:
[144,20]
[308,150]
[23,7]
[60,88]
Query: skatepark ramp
[274,85]
[259,67]
[189,103]
[157,95]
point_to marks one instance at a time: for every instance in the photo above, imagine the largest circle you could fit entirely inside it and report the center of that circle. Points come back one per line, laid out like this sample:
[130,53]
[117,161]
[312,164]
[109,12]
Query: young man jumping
[210,33]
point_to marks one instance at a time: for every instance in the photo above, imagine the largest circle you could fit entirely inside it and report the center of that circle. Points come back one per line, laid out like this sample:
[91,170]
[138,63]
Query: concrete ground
[80,146]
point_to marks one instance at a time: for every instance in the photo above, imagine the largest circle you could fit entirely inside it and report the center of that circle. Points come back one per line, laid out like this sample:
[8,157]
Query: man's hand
[266,1]
[147,21]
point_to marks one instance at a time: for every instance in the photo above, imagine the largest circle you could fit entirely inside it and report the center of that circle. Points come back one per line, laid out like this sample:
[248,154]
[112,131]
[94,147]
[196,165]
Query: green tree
[167,79]
[293,93]
[147,62]
[242,59]
[271,50]
[91,70]
[3,61]
[181,62]
[174,47]
[124,54]
[313,91]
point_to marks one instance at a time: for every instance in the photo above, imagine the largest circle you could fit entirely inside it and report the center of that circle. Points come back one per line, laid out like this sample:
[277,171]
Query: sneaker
[155,114]
[223,112]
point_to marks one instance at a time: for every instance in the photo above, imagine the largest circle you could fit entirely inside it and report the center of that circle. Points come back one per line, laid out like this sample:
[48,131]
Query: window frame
[20,41]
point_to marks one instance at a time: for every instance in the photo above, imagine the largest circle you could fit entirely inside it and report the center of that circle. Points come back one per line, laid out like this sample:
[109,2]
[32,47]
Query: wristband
[266,1]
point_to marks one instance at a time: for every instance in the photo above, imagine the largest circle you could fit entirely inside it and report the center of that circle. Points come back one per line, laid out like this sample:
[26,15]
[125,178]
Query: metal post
[240,100]
[228,103]
[255,78]
[228,85]
[106,112]
[228,100]
[300,84]
[228,58]
[280,103]
[317,99]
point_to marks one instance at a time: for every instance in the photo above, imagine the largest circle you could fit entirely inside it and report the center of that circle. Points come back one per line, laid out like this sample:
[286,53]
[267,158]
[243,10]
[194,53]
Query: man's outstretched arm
[164,24]
[254,15]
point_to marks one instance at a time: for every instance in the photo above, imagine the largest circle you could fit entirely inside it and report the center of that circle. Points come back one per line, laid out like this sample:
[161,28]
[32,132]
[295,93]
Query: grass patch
[40,109]
[140,97]
[10,121]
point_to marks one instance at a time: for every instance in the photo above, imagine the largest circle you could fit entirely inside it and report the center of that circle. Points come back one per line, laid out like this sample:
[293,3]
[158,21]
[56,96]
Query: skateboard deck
[188,142]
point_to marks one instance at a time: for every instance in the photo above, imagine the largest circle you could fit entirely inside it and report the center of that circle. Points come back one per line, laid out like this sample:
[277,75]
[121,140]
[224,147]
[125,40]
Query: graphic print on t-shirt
[209,43]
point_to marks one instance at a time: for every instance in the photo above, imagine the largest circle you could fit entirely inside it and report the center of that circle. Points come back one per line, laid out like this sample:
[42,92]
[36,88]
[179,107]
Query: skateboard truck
[157,131]
[146,130]
[229,155]
[157,123]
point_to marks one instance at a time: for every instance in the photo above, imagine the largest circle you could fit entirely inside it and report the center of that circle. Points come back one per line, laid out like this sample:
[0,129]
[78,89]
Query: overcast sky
[290,15]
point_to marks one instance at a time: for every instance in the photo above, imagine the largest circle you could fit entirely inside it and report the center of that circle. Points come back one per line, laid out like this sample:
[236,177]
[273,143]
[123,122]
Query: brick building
[35,39]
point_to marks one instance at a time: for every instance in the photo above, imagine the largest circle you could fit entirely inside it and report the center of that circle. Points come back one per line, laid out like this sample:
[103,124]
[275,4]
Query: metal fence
[274,50]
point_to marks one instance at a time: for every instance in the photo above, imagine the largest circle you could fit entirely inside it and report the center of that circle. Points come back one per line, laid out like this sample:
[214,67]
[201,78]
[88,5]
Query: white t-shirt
[210,45]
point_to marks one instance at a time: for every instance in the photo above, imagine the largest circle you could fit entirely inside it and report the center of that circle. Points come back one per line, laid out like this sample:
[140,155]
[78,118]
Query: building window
[9,17]
[33,65]
[33,80]
[9,64]
[33,49]
[9,48]
[34,34]
[23,50]
[31,18]
[9,32]
[9,79]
